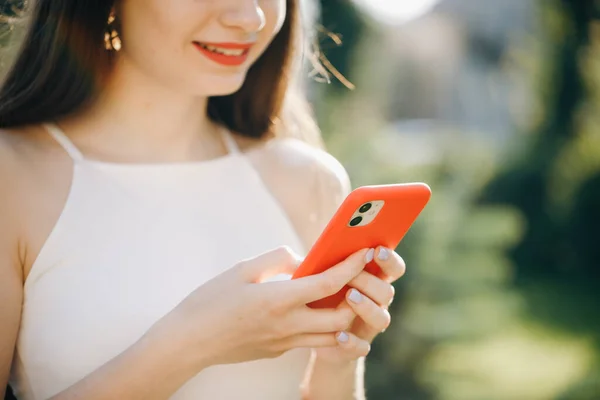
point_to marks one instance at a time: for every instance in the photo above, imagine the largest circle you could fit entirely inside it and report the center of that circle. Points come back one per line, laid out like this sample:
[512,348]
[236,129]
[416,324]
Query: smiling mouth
[229,54]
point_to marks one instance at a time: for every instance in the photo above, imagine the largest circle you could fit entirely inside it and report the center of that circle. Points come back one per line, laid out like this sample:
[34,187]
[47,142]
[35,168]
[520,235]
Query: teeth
[227,52]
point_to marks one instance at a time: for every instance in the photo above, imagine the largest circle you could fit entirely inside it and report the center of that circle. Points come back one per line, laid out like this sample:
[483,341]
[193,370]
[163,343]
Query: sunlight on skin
[396,11]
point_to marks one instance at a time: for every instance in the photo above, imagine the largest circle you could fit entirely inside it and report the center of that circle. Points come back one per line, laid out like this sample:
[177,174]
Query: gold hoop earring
[112,41]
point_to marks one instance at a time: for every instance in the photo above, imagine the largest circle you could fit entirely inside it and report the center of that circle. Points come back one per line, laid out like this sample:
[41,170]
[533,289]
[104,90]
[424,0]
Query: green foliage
[11,29]
[457,285]
[586,389]
[500,298]
[556,185]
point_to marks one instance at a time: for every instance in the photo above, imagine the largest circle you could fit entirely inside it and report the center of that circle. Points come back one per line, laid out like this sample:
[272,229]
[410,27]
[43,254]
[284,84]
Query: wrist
[334,379]
[336,364]
[173,350]
[325,369]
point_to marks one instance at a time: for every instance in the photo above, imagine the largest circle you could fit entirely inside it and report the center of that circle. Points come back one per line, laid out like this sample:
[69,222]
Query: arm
[11,282]
[148,370]
[11,296]
[310,185]
[325,380]
[180,346]
[335,382]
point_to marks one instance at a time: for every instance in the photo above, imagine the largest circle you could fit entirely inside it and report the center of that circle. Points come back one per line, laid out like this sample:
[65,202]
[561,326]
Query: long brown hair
[62,62]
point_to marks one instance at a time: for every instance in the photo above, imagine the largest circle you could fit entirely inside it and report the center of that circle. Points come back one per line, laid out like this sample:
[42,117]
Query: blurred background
[495,104]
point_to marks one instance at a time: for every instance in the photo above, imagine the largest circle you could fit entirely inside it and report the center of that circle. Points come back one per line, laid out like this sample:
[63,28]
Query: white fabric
[132,241]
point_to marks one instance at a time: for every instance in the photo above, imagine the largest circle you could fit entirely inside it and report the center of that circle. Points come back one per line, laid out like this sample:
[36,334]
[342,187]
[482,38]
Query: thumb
[279,261]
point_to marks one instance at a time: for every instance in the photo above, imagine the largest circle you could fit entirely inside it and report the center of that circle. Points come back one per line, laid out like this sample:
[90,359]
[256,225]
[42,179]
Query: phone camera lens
[356,221]
[365,207]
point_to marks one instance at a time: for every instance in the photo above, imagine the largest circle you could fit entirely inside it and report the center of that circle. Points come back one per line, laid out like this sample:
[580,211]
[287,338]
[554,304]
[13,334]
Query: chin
[220,85]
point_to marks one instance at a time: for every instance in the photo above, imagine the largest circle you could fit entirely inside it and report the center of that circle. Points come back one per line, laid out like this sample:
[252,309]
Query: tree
[555,183]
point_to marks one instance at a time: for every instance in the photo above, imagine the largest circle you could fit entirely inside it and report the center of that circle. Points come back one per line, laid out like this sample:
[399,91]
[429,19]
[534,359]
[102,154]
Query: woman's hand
[235,318]
[369,300]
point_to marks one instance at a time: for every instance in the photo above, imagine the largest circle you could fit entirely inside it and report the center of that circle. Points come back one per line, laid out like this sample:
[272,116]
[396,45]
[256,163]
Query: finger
[279,261]
[331,281]
[310,340]
[377,289]
[326,320]
[353,346]
[391,264]
[377,318]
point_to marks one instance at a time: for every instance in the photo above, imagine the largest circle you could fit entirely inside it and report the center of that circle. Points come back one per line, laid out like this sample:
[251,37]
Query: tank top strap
[63,141]
[72,150]
[229,141]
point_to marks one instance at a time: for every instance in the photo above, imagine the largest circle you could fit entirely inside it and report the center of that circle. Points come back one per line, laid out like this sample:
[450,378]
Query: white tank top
[132,241]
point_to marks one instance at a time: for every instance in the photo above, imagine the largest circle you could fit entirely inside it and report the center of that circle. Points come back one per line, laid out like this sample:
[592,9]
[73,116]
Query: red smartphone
[369,217]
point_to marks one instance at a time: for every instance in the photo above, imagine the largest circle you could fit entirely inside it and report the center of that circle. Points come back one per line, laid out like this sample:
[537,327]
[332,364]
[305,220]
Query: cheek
[156,34]
[275,10]
[275,13]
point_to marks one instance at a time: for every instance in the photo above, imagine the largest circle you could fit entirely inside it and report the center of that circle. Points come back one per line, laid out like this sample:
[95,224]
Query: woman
[148,194]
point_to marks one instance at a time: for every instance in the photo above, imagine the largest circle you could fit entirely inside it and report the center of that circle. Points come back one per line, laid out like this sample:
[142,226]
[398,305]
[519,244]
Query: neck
[137,118]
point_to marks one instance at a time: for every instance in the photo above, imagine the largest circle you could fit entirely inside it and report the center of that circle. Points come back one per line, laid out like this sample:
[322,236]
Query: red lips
[228,54]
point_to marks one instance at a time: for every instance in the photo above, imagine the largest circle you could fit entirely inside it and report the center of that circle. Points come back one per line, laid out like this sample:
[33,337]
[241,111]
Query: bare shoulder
[19,155]
[11,273]
[15,178]
[11,171]
[27,155]
[307,181]
[297,161]
[10,176]
[34,171]
[11,279]
[17,147]
[7,149]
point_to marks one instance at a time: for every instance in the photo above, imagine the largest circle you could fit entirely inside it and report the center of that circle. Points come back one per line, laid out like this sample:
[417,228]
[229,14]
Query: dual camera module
[366,213]
[363,209]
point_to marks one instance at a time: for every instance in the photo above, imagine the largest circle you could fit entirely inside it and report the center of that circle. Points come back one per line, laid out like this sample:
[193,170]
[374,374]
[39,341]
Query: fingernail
[369,256]
[342,337]
[384,254]
[355,296]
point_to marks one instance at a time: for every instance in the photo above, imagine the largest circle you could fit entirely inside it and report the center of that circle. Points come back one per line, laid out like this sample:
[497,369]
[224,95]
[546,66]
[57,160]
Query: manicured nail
[384,254]
[369,256]
[355,296]
[342,337]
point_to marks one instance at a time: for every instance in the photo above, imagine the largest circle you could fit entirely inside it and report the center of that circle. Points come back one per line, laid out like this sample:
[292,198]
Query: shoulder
[28,171]
[8,148]
[11,176]
[10,164]
[17,151]
[309,182]
[20,153]
[305,164]
[11,272]
[18,147]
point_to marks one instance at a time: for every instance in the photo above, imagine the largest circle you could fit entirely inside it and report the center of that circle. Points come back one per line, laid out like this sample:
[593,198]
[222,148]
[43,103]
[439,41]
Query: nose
[246,15]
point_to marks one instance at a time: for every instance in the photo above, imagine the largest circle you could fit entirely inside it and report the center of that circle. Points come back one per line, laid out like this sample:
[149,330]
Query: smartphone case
[402,205]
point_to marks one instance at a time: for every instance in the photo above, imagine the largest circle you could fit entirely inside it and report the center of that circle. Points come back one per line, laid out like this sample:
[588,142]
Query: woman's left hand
[369,298]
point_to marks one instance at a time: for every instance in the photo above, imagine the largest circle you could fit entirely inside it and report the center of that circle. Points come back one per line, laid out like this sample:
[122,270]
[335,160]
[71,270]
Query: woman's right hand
[235,318]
